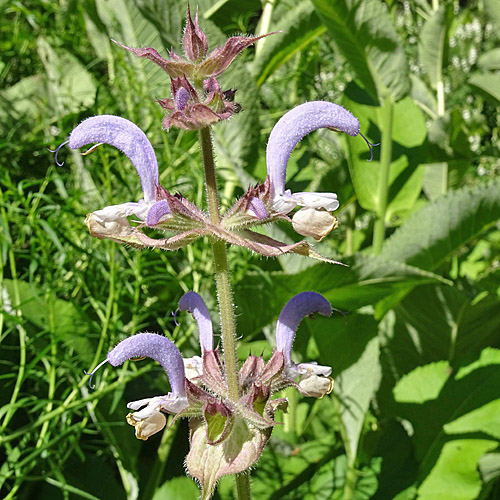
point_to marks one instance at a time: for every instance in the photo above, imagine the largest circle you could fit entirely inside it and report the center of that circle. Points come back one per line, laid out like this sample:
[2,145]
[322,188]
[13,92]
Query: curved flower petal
[295,310]
[156,347]
[289,130]
[193,303]
[128,138]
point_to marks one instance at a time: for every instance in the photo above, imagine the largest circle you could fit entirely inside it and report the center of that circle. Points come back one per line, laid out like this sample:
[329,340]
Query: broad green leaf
[489,466]
[22,98]
[237,141]
[126,24]
[457,398]
[434,323]
[433,44]
[355,388]
[455,475]
[398,463]
[424,98]
[492,8]
[489,83]
[423,384]
[485,419]
[300,27]
[364,33]
[66,323]
[283,472]
[351,347]
[409,152]
[440,228]
[366,280]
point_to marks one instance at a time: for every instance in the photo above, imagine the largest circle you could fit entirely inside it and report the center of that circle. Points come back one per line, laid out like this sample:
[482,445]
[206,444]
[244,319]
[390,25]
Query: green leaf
[489,83]
[424,98]
[367,280]
[356,385]
[409,152]
[433,44]
[455,475]
[179,487]
[67,323]
[364,33]
[440,228]
[423,384]
[489,466]
[492,9]
[300,27]
[69,85]
[434,323]
[485,418]
[474,386]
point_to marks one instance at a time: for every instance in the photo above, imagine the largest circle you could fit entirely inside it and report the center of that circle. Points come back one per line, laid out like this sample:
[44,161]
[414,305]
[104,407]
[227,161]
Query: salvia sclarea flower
[174,214]
[197,100]
[227,436]
[314,217]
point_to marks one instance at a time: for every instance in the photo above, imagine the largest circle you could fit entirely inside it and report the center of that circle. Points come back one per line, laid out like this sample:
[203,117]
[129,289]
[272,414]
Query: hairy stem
[222,274]
[224,292]
[385,167]
[243,487]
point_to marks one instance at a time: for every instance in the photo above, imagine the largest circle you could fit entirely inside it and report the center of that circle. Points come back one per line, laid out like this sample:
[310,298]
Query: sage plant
[231,409]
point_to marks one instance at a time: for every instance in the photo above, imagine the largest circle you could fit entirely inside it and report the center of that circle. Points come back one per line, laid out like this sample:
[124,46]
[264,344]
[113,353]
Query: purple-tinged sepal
[192,110]
[194,41]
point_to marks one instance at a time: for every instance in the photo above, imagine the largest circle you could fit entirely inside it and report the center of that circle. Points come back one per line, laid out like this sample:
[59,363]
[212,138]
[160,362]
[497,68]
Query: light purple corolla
[147,417]
[193,303]
[131,140]
[285,135]
[313,377]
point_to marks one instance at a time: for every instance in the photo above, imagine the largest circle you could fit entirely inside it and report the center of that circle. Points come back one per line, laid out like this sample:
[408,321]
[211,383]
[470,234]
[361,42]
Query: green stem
[243,487]
[224,292]
[222,274]
[385,167]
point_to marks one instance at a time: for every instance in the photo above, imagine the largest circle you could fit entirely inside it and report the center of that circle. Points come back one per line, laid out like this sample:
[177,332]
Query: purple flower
[313,377]
[314,218]
[149,419]
[285,135]
[131,140]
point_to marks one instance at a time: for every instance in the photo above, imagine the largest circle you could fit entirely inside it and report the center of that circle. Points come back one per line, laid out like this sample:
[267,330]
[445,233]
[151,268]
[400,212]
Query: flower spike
[193,303]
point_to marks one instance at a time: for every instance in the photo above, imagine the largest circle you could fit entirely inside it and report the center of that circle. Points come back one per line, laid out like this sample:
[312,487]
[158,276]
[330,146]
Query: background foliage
[415,343]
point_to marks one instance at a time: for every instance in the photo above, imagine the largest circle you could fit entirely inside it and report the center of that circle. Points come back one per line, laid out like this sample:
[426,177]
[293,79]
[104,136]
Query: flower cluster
[223,431]
[197,100]
[262,204]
